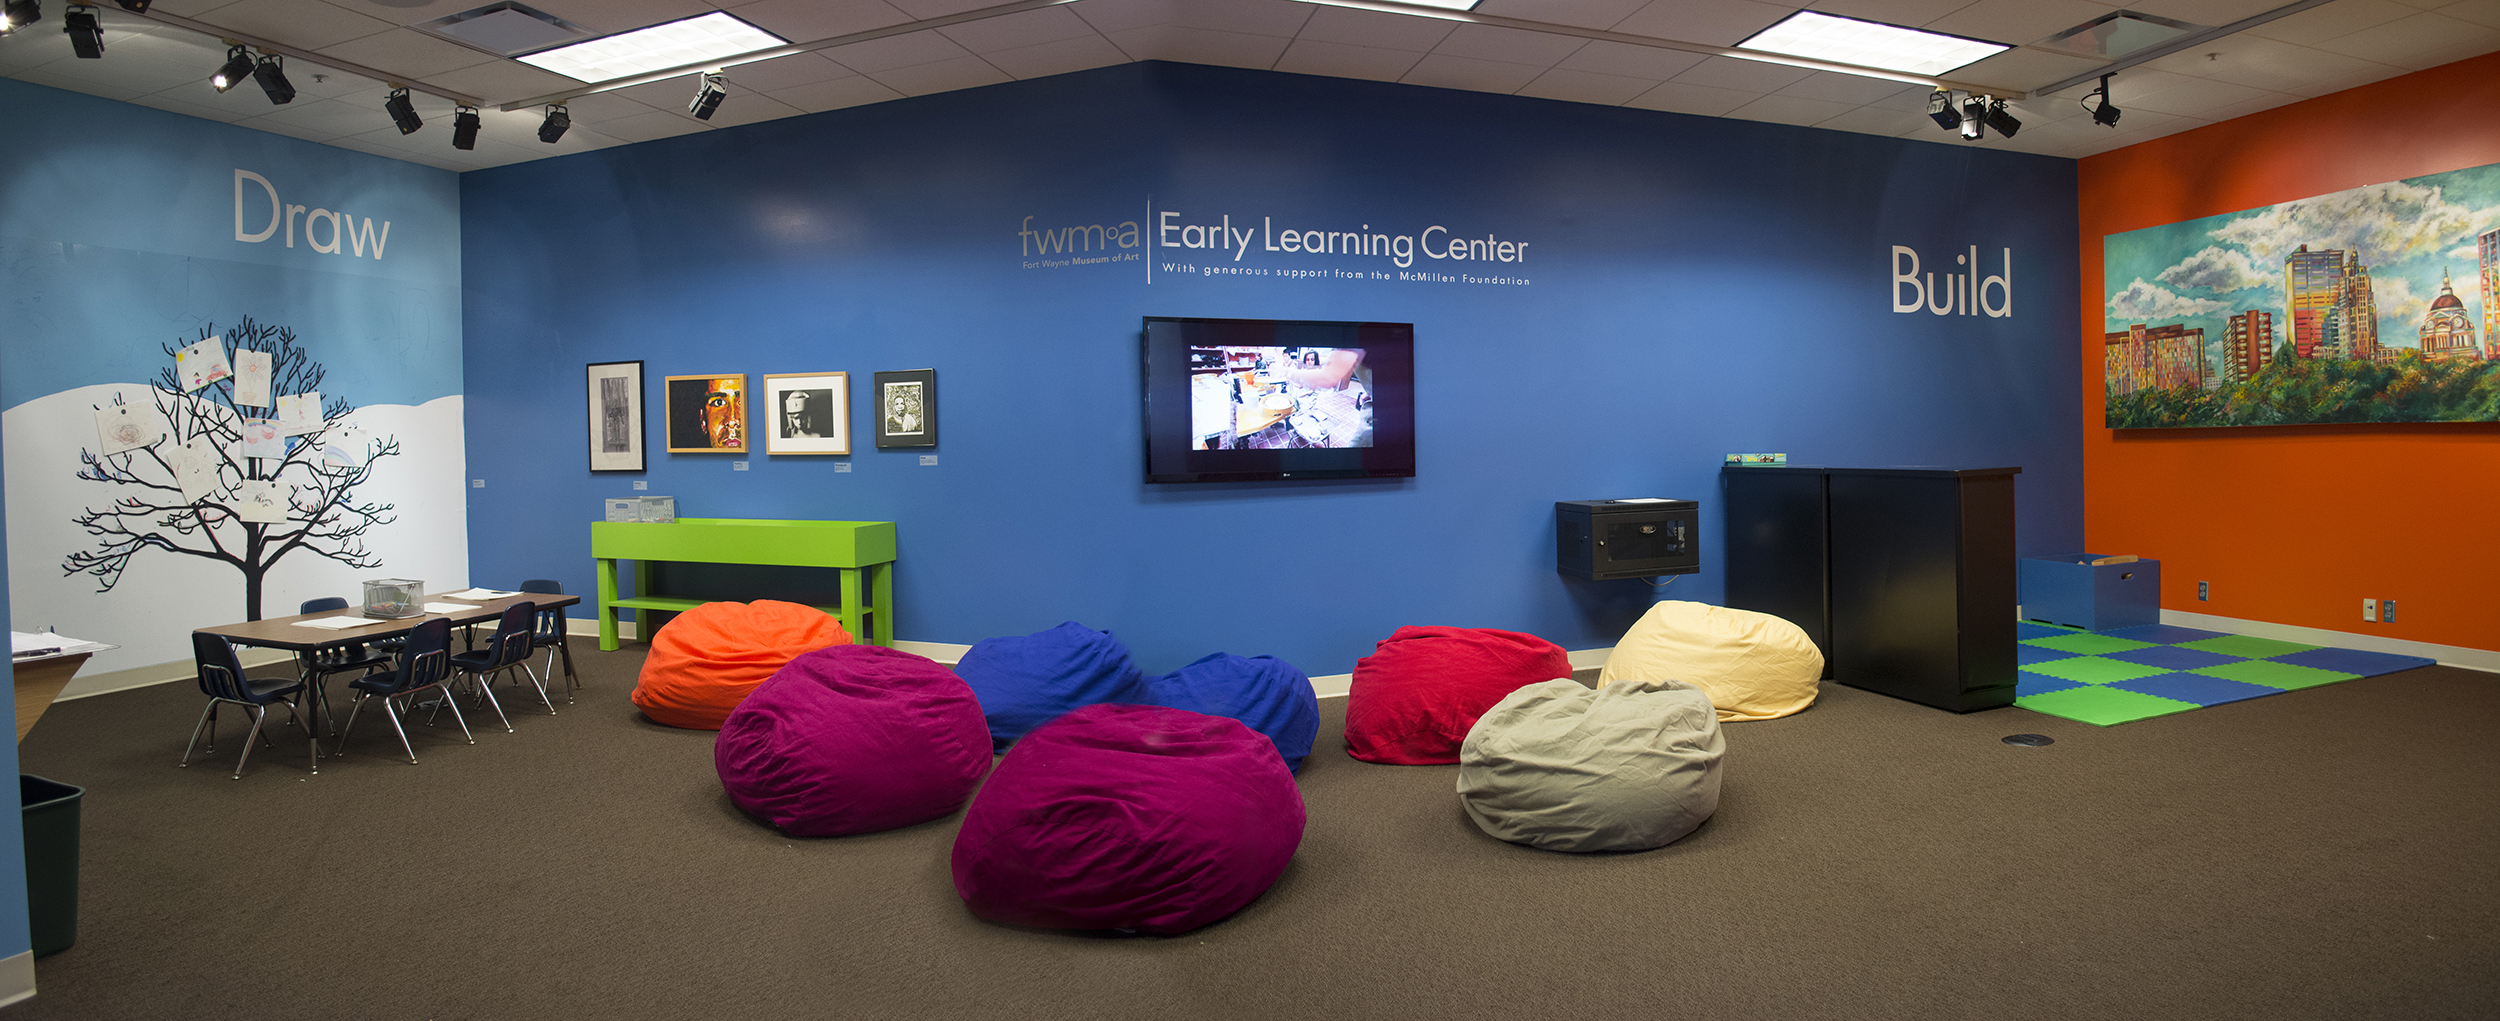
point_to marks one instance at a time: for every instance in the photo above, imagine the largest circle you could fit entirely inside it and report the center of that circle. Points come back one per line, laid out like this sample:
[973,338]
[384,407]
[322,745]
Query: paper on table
[338,623]
[448,608]
[479,595]
[23,644]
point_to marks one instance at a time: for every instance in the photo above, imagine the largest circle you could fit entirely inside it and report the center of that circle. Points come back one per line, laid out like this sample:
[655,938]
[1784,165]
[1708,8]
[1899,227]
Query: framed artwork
[707,414]
[907,408]
[615,416]
[807,413]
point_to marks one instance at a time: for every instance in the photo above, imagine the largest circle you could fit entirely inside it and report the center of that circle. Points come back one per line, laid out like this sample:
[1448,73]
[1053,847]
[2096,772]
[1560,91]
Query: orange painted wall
[2296,524]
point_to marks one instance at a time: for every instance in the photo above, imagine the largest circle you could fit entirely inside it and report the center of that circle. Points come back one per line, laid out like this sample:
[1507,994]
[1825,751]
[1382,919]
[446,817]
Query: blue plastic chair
[318,665]
[223,681]
[425,662]
[508,650]
[550,635]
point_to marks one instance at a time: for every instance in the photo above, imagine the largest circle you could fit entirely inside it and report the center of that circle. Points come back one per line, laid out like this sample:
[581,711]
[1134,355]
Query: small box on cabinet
[2075,590]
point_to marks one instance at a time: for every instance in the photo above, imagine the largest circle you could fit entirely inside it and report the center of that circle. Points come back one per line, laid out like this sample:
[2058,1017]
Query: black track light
[1940,109]
[17,14]
[135,6]
[707,99]
[239,66]
[86,35]
[464,127]
[1999,119]
[1974,118]
[271,74]
[558,119]
[403,112]
[2104,114]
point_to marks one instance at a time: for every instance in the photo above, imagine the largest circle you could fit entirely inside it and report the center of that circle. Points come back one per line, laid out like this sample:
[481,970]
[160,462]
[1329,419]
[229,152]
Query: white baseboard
[2447,655]
[1584,667]
[17,978]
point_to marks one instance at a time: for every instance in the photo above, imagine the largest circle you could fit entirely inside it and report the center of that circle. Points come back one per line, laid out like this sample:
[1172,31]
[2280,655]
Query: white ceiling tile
[54,79]
[1587,87]
[1910,13]
[502,81]
[2348,80]
[1677,97]
[672,94]
[943,76]
[2195,97]
[2133,84]
[297,23]
[289,130]
[1582,13]
[1745,75]
[1872,120]
[603,106]
[2481,12]
[1200,46]
[398,12]
[923,47]
[1834,87]
[1116,15]
[656,124]
[2017,22]
[922,10]
[2418,41]
[2262,102]
[806,21]
[1719,23]
[406,51]
[2205,12]
[1449,72]
[136,75]
[1789,110]
[190,8]
[743,107]
[786,72]
[2018,71]
[836,94]
[1652,62]
[1030,28]
[178,104]
[608,17]
[1508,45]
[328,116]
[1372,28]
[2331,21]
[1252,17]
[1339,60]
[1078,54]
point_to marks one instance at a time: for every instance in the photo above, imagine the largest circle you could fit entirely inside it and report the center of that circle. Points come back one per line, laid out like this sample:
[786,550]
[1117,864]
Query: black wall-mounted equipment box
[1602,540]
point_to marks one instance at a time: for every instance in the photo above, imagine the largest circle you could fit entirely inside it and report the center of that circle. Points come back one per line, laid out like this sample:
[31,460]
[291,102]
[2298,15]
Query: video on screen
[1279,398]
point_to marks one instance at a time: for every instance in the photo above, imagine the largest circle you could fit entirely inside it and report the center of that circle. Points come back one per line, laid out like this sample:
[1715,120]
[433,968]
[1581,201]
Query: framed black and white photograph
[807,413]
[906,409]
[616,417]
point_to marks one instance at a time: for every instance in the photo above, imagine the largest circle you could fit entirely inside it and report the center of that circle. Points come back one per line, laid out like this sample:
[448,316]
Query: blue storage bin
[2067,588]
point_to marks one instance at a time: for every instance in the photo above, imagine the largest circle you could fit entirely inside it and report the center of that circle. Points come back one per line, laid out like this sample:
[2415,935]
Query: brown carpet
[2325,854]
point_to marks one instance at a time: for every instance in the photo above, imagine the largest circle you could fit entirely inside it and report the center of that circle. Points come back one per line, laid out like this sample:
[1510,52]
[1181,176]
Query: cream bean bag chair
[1754,666]
[1559,766]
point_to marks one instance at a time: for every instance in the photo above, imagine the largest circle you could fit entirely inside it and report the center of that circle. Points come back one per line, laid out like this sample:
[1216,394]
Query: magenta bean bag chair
[1129,817]
[853,739]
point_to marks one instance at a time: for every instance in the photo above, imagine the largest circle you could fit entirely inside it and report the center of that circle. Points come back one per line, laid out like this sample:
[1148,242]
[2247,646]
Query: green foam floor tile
[2273,675]
[2243,645]
[2087,644]
[2103,706]
[2093,669]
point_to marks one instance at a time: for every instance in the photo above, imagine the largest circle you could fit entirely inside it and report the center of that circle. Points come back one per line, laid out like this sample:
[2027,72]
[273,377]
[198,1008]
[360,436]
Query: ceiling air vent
[2119,33]
[507,29]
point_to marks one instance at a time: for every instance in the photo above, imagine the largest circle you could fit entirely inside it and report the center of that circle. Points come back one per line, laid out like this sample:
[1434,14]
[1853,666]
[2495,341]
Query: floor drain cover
[2029,740]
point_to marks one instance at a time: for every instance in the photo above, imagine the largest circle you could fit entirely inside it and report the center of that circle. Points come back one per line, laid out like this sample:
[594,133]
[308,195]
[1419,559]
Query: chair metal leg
[353,708]
[312,741]
[258,717]
[208,717]
[523,667]
[403,731]
[445,696]
[486,691]
[212,727]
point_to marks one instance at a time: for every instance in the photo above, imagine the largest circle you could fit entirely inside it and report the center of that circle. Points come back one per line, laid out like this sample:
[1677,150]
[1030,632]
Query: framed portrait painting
[906,409]
[616,416]
[807,413]
[707,414]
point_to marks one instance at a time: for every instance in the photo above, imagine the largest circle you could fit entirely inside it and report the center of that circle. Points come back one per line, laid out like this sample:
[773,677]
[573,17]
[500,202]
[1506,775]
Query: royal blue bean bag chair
[1129,817]
[1029,680]
[853,739]
[1265,693]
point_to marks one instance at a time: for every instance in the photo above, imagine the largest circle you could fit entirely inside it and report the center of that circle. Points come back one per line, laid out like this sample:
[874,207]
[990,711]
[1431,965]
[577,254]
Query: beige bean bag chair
[1558,766]
[1754,666]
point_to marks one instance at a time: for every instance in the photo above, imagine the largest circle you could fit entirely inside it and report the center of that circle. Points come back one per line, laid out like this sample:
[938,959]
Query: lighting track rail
[265,46]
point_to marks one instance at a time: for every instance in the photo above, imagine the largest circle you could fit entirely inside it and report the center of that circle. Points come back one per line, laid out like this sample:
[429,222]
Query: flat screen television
[1244,400]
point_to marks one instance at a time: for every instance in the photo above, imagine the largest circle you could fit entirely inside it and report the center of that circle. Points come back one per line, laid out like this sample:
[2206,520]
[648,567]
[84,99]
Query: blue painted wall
[15,938]
[1696,286]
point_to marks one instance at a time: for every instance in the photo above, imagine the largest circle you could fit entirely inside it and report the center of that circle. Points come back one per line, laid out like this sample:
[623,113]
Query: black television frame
[1388,351]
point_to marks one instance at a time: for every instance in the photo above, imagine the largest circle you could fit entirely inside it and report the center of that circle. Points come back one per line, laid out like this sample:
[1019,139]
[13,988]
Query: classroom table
[288,633]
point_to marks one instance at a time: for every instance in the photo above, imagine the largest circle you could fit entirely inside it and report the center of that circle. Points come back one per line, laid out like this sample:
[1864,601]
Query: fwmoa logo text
[343,229]
[1961,292]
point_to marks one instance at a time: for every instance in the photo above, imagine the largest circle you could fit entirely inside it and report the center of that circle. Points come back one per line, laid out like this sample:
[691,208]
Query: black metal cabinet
[1914,595]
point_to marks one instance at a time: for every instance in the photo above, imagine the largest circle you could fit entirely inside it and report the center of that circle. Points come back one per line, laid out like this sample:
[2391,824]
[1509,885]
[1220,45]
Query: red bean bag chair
[853,739]
[1129,817]
[1415,697]
[705,661]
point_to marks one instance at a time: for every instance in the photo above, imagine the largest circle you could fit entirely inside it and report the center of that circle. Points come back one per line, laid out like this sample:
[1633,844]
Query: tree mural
[200,489]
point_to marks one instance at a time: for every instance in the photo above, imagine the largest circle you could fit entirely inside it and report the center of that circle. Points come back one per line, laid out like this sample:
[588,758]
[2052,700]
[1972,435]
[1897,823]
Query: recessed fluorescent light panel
[1869,44]
[713,36]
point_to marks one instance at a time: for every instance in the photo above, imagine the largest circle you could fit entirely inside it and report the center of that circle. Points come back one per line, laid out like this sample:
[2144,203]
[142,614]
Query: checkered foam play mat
[2109,677]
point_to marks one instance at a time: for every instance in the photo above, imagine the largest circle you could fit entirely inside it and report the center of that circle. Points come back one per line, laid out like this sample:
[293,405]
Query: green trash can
[51,862]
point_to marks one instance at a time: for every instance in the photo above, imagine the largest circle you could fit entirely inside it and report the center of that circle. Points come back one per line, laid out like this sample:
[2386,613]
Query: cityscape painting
[2377,304]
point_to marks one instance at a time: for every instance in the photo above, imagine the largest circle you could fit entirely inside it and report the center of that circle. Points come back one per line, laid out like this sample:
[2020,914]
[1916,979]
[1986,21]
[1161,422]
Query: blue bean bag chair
[1265,693]
[1029,680]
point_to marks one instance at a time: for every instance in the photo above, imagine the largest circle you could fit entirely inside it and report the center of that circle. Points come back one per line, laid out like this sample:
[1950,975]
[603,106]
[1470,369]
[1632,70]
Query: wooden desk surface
[282,632]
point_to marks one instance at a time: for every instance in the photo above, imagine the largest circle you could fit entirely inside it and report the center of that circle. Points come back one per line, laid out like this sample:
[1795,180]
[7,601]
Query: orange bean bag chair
[706,661]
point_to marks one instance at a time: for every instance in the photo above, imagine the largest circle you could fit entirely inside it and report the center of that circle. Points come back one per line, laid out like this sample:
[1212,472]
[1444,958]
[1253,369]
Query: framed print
[707,414]
[807,413]
[907,408]
[615,416]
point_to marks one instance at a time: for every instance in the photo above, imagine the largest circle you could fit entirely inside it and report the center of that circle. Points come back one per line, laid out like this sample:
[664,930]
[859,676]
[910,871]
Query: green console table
[862,550]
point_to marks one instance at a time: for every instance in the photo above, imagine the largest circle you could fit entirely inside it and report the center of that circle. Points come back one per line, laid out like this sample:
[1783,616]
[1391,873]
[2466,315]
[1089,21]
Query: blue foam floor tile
[2028,683]
[2161,634]
[2026,655]
[2170,657]
[2353,661]
[2025,631]
[2196,688]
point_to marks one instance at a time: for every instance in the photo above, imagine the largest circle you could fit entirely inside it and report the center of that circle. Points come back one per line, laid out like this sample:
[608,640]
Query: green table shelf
[862,550]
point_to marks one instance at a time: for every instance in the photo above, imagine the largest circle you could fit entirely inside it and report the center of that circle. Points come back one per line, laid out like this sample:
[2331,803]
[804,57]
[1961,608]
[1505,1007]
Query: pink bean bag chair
[853,739]
[1415,697]
[1129,817]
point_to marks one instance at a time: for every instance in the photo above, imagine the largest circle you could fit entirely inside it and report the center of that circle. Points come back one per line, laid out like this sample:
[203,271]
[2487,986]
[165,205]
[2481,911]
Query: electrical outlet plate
[2202,592]
[2386,611]
[2369,610]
